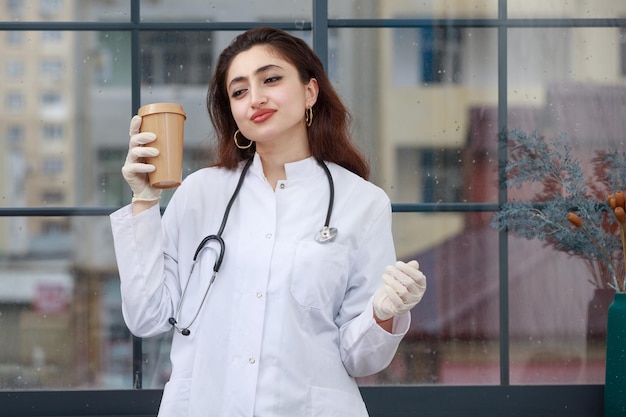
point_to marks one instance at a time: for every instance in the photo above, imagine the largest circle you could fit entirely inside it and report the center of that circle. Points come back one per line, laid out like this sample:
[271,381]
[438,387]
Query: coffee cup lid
[161,108]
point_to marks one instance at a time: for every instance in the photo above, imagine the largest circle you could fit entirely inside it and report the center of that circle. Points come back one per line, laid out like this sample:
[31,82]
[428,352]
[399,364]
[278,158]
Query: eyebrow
[258,71]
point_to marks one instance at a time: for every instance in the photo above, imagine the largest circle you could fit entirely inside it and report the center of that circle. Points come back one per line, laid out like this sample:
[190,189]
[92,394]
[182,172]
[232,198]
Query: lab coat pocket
[175,400]
[320,274]
[327,402]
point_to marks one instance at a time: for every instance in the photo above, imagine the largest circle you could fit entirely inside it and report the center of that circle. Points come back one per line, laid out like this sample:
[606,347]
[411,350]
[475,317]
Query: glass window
[51,99]
[52,166]
[176,57]
[51,36]
[15,134]
[52,67]
[14,69]
[49,8]
[456,9]
[428,55]
[52,131]
[14,37]
[440,55]
[423,83]
[223,11]
[15,101]
[561,89]
[557,9]
[15,8]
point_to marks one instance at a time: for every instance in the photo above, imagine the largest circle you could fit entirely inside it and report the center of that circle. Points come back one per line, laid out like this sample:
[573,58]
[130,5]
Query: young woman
[268,264]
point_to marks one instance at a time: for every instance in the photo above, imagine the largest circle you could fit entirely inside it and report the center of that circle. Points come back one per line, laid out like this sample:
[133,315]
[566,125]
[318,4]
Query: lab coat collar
[304,168]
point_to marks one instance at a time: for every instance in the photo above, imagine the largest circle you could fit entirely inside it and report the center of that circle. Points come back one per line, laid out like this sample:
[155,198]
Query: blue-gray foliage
[563,189]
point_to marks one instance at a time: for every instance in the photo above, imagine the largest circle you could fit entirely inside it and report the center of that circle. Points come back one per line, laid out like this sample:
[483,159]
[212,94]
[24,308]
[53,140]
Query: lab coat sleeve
[365,347]
[147,275]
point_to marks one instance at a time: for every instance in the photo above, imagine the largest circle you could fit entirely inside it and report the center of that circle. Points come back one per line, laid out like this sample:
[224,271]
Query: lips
[262,115]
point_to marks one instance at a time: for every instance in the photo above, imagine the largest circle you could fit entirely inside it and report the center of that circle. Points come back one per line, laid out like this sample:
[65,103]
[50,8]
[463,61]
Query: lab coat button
[282,186]
[268,236]
[259,294]
[252,361]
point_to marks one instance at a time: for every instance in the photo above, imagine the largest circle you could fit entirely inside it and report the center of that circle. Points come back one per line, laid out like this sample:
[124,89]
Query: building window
[14,37]
[52,165]
[53,197]
[15,134]
[51,36]
[51,99]
[14,69]
[15,101]
[52,131]
[48,8]
[441,55]
[429,55]
[15,8]
[441,175]
[176,57]
[52,68]
[52,227]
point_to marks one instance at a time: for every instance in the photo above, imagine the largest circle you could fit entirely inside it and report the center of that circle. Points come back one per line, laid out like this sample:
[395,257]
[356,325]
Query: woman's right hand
[135,170]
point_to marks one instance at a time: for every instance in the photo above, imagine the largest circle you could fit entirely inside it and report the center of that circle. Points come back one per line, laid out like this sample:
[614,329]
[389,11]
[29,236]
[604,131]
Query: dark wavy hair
[329,135]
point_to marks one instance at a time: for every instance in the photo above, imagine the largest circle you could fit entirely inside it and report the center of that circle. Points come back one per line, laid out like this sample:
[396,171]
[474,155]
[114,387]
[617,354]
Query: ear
[311,90]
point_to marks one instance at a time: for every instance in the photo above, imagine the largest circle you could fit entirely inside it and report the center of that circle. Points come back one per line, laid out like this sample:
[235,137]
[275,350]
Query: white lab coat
[288,323]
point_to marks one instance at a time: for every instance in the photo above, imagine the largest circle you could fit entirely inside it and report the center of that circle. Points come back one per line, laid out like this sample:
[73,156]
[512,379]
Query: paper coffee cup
[166,121]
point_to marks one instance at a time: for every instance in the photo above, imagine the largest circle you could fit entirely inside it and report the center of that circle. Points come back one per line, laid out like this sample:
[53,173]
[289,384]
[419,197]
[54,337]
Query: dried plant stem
[622,231]
[618,284]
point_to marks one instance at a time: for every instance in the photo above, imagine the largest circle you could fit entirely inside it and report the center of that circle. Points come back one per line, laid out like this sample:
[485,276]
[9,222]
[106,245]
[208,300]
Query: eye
[270,80]
[237,93]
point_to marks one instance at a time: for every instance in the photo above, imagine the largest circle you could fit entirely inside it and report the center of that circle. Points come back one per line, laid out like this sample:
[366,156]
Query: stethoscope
[326,234]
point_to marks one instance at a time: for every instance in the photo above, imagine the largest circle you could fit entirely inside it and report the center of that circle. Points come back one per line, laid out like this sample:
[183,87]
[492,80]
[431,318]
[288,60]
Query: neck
[274,161]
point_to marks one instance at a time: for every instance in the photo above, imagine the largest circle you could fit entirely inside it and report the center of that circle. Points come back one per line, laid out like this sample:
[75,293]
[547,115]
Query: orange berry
[574,219]
[620,199]
[620,214]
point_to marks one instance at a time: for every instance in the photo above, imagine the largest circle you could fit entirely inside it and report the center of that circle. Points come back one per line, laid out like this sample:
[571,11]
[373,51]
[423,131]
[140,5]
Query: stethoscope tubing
[326,234]
[331,187]
[218,262]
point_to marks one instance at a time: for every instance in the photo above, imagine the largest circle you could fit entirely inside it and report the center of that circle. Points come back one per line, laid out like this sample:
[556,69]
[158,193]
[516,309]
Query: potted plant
[580,212]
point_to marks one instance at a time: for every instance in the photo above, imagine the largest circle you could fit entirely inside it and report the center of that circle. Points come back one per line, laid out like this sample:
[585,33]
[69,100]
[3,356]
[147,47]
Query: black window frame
[396,401]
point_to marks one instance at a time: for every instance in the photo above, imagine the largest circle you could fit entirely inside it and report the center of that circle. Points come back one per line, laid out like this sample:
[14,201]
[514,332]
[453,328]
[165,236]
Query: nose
[257,96]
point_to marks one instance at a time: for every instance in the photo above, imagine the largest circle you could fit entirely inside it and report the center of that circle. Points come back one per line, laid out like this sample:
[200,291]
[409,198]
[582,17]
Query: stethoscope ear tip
[326,234]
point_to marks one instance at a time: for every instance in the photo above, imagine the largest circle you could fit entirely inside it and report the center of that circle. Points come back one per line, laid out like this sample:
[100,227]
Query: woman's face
[267,97]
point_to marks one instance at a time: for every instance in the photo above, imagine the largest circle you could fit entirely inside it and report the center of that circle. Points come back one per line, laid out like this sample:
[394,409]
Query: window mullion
[135,48]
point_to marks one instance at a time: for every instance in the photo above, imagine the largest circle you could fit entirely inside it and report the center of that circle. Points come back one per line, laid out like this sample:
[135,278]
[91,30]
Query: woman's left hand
[404,286]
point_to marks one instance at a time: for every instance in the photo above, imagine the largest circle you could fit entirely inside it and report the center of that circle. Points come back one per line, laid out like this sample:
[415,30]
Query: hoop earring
[237,143]
[308,116]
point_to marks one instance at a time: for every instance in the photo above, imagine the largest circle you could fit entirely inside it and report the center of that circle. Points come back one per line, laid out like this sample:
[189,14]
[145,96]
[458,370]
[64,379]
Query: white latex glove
[135,171]
[404,285]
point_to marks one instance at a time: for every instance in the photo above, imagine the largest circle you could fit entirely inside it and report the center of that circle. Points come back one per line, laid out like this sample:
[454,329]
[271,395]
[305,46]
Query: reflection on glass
[372,9]
[60,308]
[562,84]
[424,102]
[558,9]
[227,10]
[176,67]
[454,335]
[558,321]
[67,10]
[422,120]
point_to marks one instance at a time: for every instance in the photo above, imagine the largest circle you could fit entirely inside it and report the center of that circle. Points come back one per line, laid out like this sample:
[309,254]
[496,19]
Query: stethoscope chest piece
[326,234]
